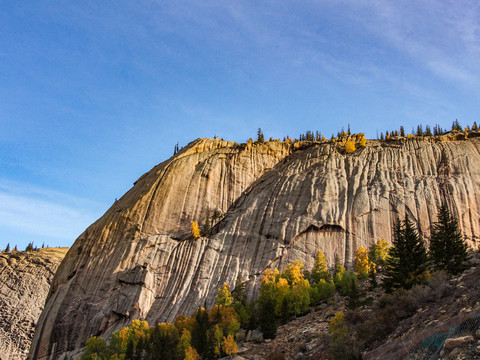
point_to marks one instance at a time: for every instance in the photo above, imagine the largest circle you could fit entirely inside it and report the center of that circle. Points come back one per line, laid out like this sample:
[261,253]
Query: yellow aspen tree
[184,343]
[293,272]
[191,354]
[379,251]
[350,146]
[301,296]
[362,263]
[229,345]
[195,230]
[283,290]
[224,296]
[335,321]
[269,276]
[320,267]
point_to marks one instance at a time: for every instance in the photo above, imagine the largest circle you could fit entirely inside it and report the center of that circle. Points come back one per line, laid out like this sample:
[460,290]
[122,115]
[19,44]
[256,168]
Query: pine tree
[353,298]
[437,130]
[373,278]
[141,348]
[207,228]
[215,216]
[239,295]
[266,318]
[7,249]
[419,130]
[129,354]
[407,261]
[260,137]
[456,125]
[402,131]
[428,131]
[448,250]
[29,247]
[199,331]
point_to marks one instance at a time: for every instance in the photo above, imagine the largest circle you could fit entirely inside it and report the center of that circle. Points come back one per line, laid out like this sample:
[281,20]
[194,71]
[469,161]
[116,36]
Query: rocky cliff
[25,278]
[279,203]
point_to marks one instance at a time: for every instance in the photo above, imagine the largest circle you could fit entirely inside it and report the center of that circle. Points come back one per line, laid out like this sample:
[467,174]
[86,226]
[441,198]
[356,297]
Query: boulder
[454,343]
[256,336]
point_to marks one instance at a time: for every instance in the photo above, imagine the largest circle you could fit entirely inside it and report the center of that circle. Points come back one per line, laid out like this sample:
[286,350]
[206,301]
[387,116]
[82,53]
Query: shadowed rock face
[138,262]
[25,278]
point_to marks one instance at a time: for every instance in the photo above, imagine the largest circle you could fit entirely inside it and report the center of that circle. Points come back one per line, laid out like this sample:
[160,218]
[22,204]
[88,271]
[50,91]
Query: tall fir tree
[448,250]
[238,293]
[407,261]
[200,332]
[207,227]
[266,317]
[130,352]
[260,137]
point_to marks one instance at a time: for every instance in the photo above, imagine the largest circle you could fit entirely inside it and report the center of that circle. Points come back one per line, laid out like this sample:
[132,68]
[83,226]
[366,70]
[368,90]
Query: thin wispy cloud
[441,36]
[44,212]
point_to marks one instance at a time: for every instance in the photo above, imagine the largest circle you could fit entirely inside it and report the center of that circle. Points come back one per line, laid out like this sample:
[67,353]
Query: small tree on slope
[448,250]
[407,261]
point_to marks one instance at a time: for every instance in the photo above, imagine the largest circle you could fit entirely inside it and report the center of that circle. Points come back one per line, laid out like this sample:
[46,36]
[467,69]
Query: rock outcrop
[25,279]
[278,204]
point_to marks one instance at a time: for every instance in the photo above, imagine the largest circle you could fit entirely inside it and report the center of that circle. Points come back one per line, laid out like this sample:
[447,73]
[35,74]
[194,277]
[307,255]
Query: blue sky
[95,93]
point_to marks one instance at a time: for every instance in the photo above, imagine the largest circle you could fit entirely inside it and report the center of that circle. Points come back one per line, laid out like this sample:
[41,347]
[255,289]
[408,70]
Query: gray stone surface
[137,261]
[25,278]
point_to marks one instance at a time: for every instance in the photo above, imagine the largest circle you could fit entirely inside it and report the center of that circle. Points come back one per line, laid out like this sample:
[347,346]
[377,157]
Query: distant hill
[25,278]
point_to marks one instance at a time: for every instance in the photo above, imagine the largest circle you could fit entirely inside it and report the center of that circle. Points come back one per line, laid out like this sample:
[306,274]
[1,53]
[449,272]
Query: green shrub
[348,283]
[321,291]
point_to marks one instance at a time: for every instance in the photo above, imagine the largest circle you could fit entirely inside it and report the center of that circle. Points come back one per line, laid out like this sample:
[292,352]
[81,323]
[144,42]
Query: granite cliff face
[279,204]
[25,278]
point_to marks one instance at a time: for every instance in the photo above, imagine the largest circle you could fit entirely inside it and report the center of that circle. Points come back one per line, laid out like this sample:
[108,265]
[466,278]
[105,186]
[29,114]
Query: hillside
[25,279]
[446,308]
[277,202]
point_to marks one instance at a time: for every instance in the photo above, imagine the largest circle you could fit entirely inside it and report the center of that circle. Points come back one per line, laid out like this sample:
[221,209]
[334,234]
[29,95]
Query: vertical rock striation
[138,261]
[25,278]
[116,269]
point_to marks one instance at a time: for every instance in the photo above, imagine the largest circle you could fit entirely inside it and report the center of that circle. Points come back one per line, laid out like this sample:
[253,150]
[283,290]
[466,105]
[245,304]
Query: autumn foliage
[363,265]
[350,146]
[195,230]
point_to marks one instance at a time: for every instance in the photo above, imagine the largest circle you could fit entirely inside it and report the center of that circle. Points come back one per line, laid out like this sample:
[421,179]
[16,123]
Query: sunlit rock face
[278,204]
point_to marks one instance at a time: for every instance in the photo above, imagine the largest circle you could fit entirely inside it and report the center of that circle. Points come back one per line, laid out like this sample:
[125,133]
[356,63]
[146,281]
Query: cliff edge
[277,203]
